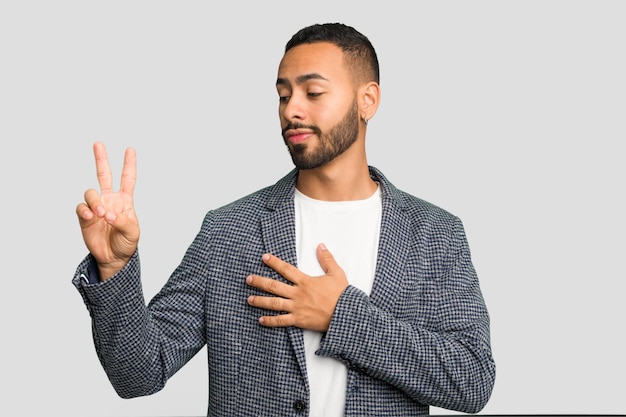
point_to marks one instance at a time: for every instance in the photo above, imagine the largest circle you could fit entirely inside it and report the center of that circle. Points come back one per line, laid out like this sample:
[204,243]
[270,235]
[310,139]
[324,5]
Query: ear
[369,98]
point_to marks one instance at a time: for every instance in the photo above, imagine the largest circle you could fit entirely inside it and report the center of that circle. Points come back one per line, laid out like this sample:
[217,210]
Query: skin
[347,176]
[107,219]
[320,97]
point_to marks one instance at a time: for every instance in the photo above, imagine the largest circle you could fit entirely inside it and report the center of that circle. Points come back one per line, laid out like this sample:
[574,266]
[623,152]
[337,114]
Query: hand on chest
[349,229]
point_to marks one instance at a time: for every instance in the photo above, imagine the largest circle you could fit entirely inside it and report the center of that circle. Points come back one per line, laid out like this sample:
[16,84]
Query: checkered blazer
[421,338]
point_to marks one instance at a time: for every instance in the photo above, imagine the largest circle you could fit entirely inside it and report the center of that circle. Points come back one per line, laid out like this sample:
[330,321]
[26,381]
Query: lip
[296,136]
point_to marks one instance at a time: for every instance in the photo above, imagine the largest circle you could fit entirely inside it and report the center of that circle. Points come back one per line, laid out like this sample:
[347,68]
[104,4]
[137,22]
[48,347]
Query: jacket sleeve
[442,360]
[141,346]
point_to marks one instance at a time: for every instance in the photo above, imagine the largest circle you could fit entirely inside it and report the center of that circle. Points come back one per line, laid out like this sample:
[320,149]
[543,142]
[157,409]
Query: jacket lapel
[278,229]
[393,245]
[279,235]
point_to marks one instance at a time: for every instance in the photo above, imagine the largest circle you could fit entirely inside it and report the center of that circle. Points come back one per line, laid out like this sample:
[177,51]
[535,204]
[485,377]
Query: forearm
[125,337]
[451,369]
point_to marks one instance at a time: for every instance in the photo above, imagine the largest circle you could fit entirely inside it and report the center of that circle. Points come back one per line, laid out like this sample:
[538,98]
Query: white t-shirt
[350,230]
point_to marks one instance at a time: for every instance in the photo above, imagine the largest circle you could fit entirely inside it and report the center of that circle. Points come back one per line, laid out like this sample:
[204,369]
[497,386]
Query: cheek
[328,117]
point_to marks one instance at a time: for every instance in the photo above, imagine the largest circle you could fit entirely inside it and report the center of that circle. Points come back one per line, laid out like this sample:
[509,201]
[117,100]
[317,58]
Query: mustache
[290,126]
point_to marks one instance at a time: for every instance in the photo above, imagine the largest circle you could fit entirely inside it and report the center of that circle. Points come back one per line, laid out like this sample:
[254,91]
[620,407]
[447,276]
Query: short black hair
[356,47]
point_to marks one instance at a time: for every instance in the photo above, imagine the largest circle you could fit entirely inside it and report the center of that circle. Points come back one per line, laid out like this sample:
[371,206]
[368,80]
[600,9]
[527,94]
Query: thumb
[125,223]
[327,260]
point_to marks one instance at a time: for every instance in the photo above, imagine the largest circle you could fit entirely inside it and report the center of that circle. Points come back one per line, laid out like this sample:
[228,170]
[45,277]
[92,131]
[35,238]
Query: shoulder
[415,207]
[418,208]
[256,204]
[434,227]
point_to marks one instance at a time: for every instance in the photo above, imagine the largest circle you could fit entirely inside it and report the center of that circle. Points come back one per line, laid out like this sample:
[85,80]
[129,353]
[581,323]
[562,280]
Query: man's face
[318,110]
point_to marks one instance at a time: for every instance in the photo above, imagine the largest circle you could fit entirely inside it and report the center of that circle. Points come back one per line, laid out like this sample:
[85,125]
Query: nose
[293,109]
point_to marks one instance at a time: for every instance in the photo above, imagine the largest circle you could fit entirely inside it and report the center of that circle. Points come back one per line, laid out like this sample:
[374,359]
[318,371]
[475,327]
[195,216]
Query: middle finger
[269,285]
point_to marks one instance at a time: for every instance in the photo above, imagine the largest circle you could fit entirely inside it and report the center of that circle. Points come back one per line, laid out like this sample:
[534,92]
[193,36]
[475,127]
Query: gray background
[509,114]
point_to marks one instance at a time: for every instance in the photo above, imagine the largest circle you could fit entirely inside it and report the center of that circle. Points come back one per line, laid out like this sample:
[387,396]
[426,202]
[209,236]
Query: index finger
[129,172]
[285,269]
[103,170]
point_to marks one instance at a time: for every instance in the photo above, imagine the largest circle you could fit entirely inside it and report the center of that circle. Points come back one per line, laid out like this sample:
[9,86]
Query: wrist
[107,270]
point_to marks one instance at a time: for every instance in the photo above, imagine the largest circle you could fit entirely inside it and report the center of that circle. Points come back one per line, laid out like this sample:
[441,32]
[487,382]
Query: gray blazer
[421,338]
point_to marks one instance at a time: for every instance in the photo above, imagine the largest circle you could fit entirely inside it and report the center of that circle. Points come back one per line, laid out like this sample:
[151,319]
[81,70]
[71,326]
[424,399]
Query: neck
[343,179]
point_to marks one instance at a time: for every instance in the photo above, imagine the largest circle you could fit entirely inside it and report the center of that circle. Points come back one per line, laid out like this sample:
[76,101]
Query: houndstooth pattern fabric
[421,338]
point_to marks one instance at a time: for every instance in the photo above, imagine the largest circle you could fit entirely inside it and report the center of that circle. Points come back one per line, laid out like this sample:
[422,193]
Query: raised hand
[107,219]
[309,303]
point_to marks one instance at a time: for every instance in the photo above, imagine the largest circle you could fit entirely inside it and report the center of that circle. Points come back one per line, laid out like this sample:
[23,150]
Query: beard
[330,145]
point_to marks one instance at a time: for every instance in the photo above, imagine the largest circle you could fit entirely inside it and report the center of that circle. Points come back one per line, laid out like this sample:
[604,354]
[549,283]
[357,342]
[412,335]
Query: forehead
[321,58]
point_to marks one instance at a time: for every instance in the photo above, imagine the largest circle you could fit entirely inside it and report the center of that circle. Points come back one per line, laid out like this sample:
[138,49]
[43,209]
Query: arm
[139,346]
[448,364]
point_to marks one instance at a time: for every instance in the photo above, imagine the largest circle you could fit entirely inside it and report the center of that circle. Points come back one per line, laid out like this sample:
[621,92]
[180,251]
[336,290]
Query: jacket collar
[394,243]
[278,227]
[283,190]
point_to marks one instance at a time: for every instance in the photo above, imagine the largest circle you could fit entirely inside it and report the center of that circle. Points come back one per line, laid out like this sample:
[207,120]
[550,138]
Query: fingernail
[100,211]
[266,257]
[249,279]
[323,247]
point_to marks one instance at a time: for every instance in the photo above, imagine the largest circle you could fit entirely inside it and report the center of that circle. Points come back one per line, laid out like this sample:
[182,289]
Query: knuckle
[280,320]
[287,269]
[275,303]
[282,268]
[273,286]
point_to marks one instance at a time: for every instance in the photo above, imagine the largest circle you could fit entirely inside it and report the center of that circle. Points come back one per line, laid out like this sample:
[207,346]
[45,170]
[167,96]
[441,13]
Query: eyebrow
[301,79]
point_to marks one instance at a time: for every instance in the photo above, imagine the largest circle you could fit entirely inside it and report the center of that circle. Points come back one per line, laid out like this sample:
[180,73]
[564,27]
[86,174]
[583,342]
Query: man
[329,293]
